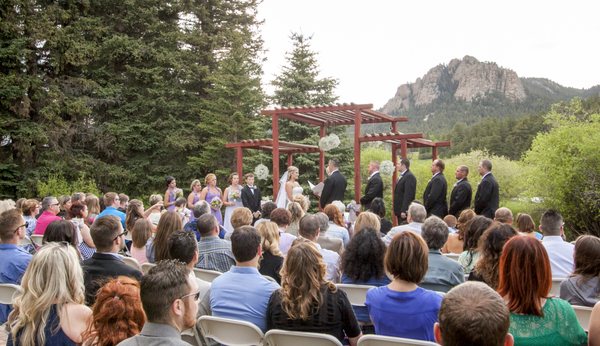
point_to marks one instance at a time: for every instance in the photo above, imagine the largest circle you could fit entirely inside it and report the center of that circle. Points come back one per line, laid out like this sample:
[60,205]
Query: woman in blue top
[362,264]
[402,308]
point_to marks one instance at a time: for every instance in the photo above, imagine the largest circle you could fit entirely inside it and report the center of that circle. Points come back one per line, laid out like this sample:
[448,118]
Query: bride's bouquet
[216,203]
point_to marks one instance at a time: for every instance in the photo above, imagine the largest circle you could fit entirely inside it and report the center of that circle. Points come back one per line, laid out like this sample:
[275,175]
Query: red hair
[334,214]
[117,313]
[525,275]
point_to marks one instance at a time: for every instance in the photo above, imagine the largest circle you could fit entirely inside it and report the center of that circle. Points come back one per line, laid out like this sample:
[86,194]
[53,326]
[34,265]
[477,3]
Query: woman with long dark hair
[583,286]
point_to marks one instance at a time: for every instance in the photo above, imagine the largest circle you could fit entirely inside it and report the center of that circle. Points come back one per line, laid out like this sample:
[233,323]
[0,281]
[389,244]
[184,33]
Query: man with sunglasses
[170,299]
[14,259]
[109,237]
[50,208]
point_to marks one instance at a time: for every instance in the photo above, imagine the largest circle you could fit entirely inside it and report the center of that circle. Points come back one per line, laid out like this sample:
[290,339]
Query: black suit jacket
[100,268]
[374,189]
[404,192]
[434,197]
[251,200]
[487,197]
[460,198]
[333,189]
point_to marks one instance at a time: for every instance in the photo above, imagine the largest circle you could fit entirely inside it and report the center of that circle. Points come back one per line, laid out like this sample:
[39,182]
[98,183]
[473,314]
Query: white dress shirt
[561,255]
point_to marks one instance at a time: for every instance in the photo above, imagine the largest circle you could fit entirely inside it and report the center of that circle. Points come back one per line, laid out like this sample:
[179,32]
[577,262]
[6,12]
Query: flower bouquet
[234,196]
[329,142]
[261,172]
[216,203]
[178,193]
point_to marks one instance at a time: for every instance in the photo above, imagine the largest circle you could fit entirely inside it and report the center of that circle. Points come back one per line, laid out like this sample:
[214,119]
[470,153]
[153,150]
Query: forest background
[100,96]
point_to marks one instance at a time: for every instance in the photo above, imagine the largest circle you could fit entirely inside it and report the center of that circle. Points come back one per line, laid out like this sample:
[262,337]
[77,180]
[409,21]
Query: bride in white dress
[289,187]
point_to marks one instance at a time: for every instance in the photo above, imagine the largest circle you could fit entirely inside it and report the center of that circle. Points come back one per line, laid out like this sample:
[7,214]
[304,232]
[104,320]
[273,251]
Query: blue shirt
[361,312]
[12,267]
[114,212]
[243,294]
[404,314]
[192,226]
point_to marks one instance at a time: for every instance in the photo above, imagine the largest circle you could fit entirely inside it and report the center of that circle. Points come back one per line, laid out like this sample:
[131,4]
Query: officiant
[334,186]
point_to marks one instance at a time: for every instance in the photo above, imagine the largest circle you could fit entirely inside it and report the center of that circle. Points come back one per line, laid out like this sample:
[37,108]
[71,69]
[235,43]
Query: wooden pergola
[330,116]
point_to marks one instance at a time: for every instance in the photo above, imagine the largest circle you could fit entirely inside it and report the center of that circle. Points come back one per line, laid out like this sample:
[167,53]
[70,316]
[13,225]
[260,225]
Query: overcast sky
[374,46]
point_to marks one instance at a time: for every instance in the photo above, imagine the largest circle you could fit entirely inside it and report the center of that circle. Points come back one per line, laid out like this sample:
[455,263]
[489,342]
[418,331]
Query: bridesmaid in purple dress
[171,193]
[212,192]
[194,196]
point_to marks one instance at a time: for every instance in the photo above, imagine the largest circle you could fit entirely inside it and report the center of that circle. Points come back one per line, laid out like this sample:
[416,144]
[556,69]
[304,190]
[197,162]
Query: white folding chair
[37,239]
[452,256]
[379,340]
[206,275]
[555,289]
[357,294]
[132,262]
[146,267]
[230,332]
[583,315]
[7,292]
[278,337]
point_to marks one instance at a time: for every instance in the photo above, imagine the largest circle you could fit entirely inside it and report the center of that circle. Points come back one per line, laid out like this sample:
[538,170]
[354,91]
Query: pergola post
[239,156]
[289,159]
[403,149]
[394,178]
[275,131]
[394,126]
[357,123]
[321,156]
[434,153]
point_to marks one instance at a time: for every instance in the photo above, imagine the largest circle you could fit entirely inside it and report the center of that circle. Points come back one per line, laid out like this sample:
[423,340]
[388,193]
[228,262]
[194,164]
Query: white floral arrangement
[261,172]
[386,167]
[329,142]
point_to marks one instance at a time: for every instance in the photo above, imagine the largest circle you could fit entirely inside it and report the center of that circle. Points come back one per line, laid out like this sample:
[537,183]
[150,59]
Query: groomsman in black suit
[434,197]
[334,186]
[404,191]
[487,198]
[460,198]
[251,196]
[374,186]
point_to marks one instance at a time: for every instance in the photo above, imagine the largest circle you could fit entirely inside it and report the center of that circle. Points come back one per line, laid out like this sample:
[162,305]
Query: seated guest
[154,216]
[490,248]
[50,208]
[455,241]
[362,264]
[214,253]
[525,281]
[309,229]
[170,299]
[242,293]
[30,209]
[49,309]
[78,214]
[272,258]
[366,219]
[200,208]
[473,314]
[265,212]
[141,232]
[14,259]
[450,221]
[594,329]
[526,226]
[504,215]
[329,243]
[307,302]
[112,202]
[240,216]
[583,286]
[336,227]
[402,308]
[93,203]
[559,251]
[123,203]
[442,273]
[378,208]
[415,217]
[64,203]
[61,231]
[282,218]
[157,248]
[296,213]
[117,313]
[109,237]
[474,229]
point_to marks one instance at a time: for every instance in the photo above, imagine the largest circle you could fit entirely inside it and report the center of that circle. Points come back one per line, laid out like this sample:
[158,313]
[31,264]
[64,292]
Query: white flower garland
[329,142]
[261,172]
[386,167]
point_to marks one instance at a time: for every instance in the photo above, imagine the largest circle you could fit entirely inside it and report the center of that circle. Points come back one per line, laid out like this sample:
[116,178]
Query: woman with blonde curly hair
[307,302]
[117,313]
[49,309]
[272,258]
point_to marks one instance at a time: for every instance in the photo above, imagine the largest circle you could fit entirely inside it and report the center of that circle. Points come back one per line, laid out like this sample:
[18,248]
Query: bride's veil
[281,200]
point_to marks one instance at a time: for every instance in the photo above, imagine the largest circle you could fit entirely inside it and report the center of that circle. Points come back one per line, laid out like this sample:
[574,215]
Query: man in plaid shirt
[214,252]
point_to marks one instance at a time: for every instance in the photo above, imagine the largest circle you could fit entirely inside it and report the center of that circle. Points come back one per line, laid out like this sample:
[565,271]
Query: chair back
[206,275]
[379,340]
[230,332]
[583,315]
[7,292]
[555,289]
[37,239]
[132,262]
[452,256]
[146,267]
[278,337]
[357,294]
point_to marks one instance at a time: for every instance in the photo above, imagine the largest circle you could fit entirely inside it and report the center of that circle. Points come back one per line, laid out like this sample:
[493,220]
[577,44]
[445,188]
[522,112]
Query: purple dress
[216,213]
[172,198]
[196,199]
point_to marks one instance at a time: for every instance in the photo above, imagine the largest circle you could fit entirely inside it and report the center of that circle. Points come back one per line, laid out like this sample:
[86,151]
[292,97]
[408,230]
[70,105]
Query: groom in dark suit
[374,186]
[404,191]
[487,198]
[334,186]
[460,198]
[251,196]
[434,197]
